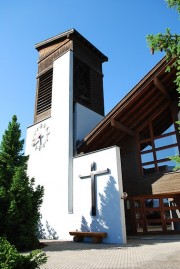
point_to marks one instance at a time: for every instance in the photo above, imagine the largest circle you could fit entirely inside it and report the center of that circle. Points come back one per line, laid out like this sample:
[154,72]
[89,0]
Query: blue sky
[117,28]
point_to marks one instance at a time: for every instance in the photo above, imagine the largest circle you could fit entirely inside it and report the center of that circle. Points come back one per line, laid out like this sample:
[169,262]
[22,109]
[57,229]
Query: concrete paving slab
[154,252]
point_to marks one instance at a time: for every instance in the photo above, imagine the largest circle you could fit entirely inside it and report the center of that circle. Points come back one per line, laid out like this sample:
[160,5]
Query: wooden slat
[44,92]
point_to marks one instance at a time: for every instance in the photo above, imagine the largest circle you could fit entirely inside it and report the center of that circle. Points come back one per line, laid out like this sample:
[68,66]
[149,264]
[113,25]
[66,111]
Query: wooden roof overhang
[150,97]
[71,34]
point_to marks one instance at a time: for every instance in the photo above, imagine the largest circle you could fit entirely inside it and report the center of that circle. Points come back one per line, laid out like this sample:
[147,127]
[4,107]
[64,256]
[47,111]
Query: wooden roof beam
[121,127]
[160,86]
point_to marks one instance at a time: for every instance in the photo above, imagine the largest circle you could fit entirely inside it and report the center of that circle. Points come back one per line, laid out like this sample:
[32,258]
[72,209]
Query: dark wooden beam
[160,86]
[121,127]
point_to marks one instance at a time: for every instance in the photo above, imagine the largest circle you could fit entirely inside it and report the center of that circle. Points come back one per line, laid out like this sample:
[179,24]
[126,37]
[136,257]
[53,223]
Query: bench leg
[77,238]
[96,240]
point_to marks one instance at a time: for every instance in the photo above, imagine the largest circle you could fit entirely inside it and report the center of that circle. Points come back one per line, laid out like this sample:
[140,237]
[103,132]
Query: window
[158,143]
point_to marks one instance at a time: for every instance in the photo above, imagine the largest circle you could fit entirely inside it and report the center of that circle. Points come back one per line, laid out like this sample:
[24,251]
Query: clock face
[40,136]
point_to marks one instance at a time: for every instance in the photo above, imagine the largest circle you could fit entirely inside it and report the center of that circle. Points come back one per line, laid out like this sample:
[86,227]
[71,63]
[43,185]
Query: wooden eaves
[152,95]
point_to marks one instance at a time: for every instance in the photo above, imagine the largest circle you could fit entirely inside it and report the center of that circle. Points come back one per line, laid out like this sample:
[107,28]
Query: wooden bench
[96,236]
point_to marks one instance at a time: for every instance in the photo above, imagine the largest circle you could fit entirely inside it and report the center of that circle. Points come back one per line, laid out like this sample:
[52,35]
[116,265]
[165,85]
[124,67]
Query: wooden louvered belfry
[82,84]
[44,92]
[87,73]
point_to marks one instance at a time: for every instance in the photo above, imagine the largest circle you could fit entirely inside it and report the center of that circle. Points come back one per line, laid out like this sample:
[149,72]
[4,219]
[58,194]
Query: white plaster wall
[52,165]
[39,166]
[62,124]
[84,121]
[110,207]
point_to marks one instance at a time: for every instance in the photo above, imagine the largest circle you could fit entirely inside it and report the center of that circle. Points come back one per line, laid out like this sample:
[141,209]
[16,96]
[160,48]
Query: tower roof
[70,34]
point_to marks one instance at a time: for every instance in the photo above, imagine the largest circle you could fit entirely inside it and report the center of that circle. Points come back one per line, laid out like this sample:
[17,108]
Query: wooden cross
[93,175]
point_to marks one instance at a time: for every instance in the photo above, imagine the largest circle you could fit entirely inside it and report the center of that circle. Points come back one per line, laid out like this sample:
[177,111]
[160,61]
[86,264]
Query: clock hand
[40,138]
[35,142]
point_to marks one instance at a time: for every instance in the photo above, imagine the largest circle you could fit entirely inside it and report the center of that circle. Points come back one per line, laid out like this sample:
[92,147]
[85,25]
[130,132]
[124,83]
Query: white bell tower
[69,103]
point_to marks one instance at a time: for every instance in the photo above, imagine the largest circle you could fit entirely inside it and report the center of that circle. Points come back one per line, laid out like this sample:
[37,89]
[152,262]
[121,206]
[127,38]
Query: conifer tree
[20,200]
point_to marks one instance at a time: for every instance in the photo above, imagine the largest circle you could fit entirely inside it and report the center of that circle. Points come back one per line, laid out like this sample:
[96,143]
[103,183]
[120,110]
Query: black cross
[93,175]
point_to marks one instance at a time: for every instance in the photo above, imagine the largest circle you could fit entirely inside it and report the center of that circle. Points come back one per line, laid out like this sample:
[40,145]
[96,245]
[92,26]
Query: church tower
[69,103]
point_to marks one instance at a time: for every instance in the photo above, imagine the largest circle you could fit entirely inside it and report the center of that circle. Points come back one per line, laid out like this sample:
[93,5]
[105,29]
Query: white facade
[52,165]
[109,190]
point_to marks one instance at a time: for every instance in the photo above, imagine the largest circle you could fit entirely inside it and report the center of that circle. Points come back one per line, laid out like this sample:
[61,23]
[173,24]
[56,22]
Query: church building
[102,173]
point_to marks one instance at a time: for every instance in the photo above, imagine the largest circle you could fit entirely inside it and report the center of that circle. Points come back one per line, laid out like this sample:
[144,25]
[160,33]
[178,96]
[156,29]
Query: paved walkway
[151,252]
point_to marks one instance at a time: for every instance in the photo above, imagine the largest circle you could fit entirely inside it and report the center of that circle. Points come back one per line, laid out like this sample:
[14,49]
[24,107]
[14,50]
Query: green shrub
[11,259]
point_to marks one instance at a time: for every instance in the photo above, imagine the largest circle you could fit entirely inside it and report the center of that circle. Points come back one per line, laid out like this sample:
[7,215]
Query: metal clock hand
[35,143]
[40,138]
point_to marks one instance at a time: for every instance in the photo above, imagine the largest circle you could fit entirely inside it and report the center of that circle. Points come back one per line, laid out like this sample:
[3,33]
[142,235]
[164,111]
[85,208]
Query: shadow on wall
[46,233]
[107,218]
